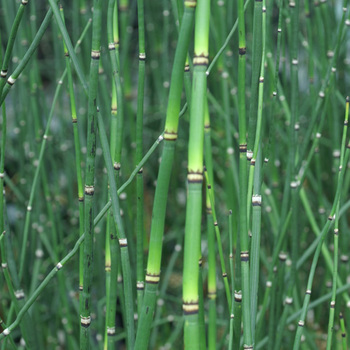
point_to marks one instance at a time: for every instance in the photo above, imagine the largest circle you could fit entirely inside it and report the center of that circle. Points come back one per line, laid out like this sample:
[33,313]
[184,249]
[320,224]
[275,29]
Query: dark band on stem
[95,54]
[238,297]
[3,73]
[242,51]
[195,177]
[245,256]
[200,60]
[123,243]
[89,190]
[19,294]
[243,148]
[85,321]
[110,331]
[282,256]
[187,67]
[81,199]
[190,308]
[142,56]
[11,80]
[152,278]
[170,135]
[140,285]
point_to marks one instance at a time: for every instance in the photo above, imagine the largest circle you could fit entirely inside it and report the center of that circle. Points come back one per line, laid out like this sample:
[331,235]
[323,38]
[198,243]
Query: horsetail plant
[159,206]
[85,312]
[195,178]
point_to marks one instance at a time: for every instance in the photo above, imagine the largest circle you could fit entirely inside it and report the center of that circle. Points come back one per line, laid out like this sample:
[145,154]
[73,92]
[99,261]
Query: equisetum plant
[174,174]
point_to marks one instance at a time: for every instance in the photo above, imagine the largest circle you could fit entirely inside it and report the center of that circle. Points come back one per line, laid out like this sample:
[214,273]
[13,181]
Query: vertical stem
[161,194]
[195,178]
[90,178]
[243,224]
[139,145]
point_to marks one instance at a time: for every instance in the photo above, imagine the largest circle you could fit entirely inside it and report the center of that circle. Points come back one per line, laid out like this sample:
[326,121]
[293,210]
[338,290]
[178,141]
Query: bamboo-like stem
[195,178]
[243,223]
[78,160]
[112,249]
[85,311]
[139,150]
[159,205]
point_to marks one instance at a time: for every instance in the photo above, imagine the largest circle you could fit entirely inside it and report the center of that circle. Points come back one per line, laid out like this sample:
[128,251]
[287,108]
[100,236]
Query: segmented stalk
[195,178]
[243,223]
[139,150]
[160,199]
[85,312]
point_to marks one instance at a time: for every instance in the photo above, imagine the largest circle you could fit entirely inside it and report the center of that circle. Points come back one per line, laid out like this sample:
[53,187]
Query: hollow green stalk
[160,199]
[112,249]
[85,311]
[77,161]
[195,178]
[139,152]
[243,223]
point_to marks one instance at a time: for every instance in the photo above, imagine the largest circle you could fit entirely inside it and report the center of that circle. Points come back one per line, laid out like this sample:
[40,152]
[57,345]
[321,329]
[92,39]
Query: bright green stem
[161,194]
[195,178]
